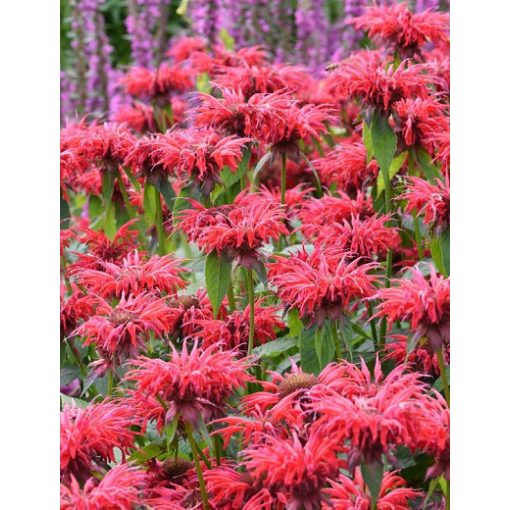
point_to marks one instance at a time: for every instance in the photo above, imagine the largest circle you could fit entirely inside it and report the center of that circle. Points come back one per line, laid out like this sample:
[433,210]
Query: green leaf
[373,475]
[260,165]
[183,7]
[147,452]
[203,83]
[324,346]
[217,279]
[424,160]
[309,360]
[65,212]
[367,141]
[438,384]
[275,348]
[440,250]
[384,141]
[295,323]
[109,225]
[227,39]
[167,192]
[95,206]
[149,204]
[107,186]
[395,166]
[78,402]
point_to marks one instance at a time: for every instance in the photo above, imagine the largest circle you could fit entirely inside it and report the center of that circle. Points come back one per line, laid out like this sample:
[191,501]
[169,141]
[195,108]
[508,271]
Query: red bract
[198,156]
[120,489]
[233,331]
[422,301]
[318,213]
[321,285]
[73,309]
[122,331]
[185,47]
[294,197]
[193,384]
[159,83]
[238,230]
[403,29]
[430,200]
[346,167]
[347,494]
[420,118]
[367,238]
[139,117]
[368,78]
[134,276]
[88,437]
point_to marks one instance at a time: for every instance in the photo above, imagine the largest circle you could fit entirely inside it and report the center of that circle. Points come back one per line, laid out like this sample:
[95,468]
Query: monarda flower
[73,309]
[430,200]
[375,417]
[321,285]
[345,493]
[346,167]
[122,331]
[402,29]
[366,77]
[120,489]
[185,47]
[318,213]
[422,301]
[198,156]
[194,384]
[88,437]
[134,276]
[368,238]
[293,469]
[139,117]
[419,119]
[233,332]
[237,231]
[157,84]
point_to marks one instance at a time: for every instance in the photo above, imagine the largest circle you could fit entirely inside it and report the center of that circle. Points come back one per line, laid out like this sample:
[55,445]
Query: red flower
[122,331]
[233,331]
[420,118]
[198,156]
[176,497]
[73,309]
[366,77]
[134,276]
[193,384]
[294,197]
[432,200]
[347,494]
[367,238]
[221,58]
[321,285]
[139,117]
[376,417]
[403,29]
[88,437]
[118,490]
[421,301]
[347,167]
[141,82]
[238,230]
[185,47]
[318,213]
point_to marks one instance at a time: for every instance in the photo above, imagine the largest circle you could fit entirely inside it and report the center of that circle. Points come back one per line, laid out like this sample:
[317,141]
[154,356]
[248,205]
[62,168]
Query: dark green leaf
[431,172]
[384,141]
[65,212]
[149,204]
[440,250]
[295,323]
[147,452]
[217,279]
[95,206]
[367,141]
[373,475]
[167,192]
[109,224]
[395,166]
[275,348]
[73,401]
[309,361]
[324,346]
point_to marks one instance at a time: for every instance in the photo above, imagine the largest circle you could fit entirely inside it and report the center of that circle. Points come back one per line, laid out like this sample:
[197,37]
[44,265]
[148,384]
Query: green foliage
[218,271]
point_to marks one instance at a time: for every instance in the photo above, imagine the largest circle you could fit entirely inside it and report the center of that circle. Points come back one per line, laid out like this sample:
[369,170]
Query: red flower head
[366,77]
[321,285]
[238,230]
[120,489]
[73,309]
[192,384]
[294,197]
[185,47]
[403,29]
[139,117]
[176,497]
[158,84]
[293,469]
[421,301]
[221,58]
[420,118]
[376,416]
[88,437]
[432,200]
[347,494]
[198,156]
[133,276]
[367,238]
[233,331]
[441,142]
[318,213]
[122,331]
[346,166]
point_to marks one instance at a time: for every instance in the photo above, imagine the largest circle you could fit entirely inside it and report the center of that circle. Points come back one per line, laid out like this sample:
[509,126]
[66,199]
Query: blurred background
[99,39]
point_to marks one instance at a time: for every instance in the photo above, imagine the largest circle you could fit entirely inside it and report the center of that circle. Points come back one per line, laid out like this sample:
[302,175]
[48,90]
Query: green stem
[373,327]
[77,357]
[110,382]
[447,495]
[217,449]
[231,297]
[283,183]
[336,338]
[442,370]
[194,453]
[125,197]
[251,301]
[384,324]
[417,236]
[159,223]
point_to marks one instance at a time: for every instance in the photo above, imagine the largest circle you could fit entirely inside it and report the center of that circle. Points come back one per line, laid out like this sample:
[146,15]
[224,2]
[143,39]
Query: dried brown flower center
[176,468]
[296,382]
[121,316]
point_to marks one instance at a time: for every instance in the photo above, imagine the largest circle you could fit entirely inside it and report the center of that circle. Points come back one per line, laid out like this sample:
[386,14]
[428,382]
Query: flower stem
[110,382]
[336,338]
[417,236]
[373,328]
[283,183]
[217,449]
[200,476]
[251,301]
[127,204]
[77,357]
[159,223]
[442,370]
[231,298]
